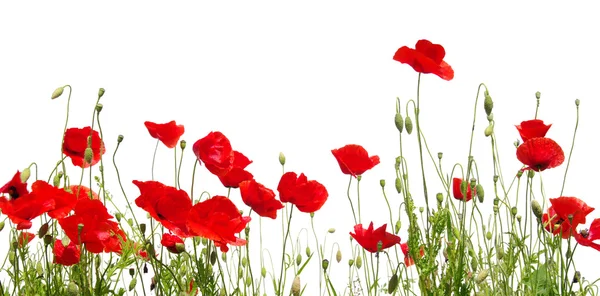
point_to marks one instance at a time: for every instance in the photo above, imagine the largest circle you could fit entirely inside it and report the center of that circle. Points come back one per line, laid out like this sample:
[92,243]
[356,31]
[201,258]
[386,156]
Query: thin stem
[154,158]
[279,292]
[570,152]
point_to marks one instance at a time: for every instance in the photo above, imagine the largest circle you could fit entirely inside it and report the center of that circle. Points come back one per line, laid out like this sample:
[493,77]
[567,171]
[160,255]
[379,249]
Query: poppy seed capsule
[577,102]
[99,107]
[382,183]
[538,95]
[325,264]
[57,92]
[488,104]
[43,230]
[100,92]
[399,121]
[409,125]
[120,139]
[182,144]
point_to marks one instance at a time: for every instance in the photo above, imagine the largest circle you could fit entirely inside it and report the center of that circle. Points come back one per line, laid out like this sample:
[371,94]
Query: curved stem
[570,152]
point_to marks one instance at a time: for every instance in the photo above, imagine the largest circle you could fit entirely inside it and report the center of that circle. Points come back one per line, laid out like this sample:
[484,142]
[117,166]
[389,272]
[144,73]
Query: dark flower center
[12,192]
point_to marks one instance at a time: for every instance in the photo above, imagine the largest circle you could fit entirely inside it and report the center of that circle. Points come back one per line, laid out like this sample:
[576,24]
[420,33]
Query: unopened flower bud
[392,284]
[517,143]
[489,130]
[537,209]
[496,178]
[43,230]
[118,216]
[1,225]
[182,144]
[298,259]
[481,276]
[48,239]
[513,211]
[296,286]
[480,192]
[57,92]
[382,183]
[538,95]
[281,158]
[398,225]
[325,264]
[88,155]
[399,122]
[358,261]
[409,125]
[263,272]
[488,105]
[398,184]
[100,92]
[338,256]
[576,277]
[25,175]
[72,289]
[519,174]
[308,253]
[350,262]
[132,284]
[488,235]
[56,180]
[421,209]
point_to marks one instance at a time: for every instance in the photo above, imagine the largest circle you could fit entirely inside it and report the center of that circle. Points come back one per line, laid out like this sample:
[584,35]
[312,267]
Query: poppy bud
[1,225]
[338,256]
[499,252]
[440,155]
[481,276]
[397,163]
[298,259]
[72,289]
[576,277]
[398,185]
[88,155]
[224,257]
[530,174]
[130,222]
[240,272]
[577,102]
[350,262]
[25,175]
[421,209]
[48,239]
[331,230]
[489,130]
[398,224]
[480,192]
[263,272]
[132,284]
[57,92]
[519,174]
[56,180]
[99,107]
[519,219]
[517,143]
[118,216]
[409,125]
[100,92]
[399,122]
[182,144]
[43,230]
[358,261]
[538,95]
[382,183]
[392,284]
[39,269]
[248,281]
[296,286]
[325,264]
[488,104]
[513,211]
[308,251]
[120,139]
[495,178]
[537,209]
[281,158]
[11,257]
[488,235]
[439,197]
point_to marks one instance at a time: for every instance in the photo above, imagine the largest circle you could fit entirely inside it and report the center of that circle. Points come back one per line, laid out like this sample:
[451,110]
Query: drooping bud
[399,122]
[338,256]
[25,175]
[513,211]
[488,104]
[537,209]
[57,92]
[263,272]
[398,185]
[358,261]
[43,230]
[576,277]
[298,259]
[480,192]
[350,262]
[489,130]
[308,253]
[100,92]
[398,225]
[409,125]
[88,155]
[132,284]
[488,235]
[281,158]
[393,283]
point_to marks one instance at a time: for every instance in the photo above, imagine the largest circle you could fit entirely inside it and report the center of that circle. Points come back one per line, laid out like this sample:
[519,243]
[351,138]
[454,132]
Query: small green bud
[537,209]
[480,192]
[39,269]
[440,197]
[88,155]
[120,139]
[358,261]
[382,183]
[577,102]
[499,252]
[576,277]
[132,284]
[263,272]
[488,235]
[392,284]
[281,158]
[496,178]
[513,211]
[213,257]
[248,281]
[398,225]
[100,92]
[421,209]
[57,92]
[240,272]
[530,174]
[331,230]
[481,276]
[409,125]
[397,163]
[182,144]
[130,222]
[224,257]
[118,216]
[538,95]
[25,174]
[399,122]
[338,256]
[298,259]
[56,180]
[325,264]
[350,262]
[244,261]
[1,225]
[489,130]
[517,143]
[519,174]
[398,185]
[308,253]
[488,105]
[519,218]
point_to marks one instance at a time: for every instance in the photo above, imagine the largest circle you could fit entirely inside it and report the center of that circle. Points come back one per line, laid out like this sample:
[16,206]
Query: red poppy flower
[84,192]
[168,133]
[26,208]
[532,129]
[540,154]
[216,153]
[66,255]
[237,174]
[15,187]
[25,238]
[98,233]
[173,243]
[369,238]
[354,159]
[307,196]
[217,219]
[260,198]
[168,205]
[64,201]
[426,58]
[408,261]
[457,192]
[587,237]
[75,143]
[565,214]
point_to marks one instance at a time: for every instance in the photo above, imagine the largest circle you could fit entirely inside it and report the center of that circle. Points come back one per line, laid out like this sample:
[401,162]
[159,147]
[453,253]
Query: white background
[302,78]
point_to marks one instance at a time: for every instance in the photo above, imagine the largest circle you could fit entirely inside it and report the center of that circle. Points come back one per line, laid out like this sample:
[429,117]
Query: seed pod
[409,125]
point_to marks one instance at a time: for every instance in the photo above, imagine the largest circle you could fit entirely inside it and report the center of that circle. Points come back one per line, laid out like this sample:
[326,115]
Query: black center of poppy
[12,192]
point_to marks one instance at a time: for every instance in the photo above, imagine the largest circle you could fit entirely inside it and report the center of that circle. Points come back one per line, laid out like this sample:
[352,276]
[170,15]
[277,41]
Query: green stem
[570,152]
[279,292]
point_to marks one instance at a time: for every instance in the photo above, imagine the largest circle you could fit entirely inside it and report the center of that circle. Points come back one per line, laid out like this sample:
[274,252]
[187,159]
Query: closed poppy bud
[482,275]
[100,92]
[499,252]
[350,262]
[440,155]
[398,224]
[338,256]
[489,130]
[513,211]
[358,261]
[537,209]
[392,284]
[382,183]
[488,235]
[409,125]
[298,259]
[397,163]
[281,158]
[182,144]
[398,184]
[25,175]
[263,272]
[325,264]
[213,257]
[43,230]
[48,239]
[224,257]
[440,197]
[519,174]
[399,122]
[118,216]
[488,104]
[56,180]
[331,230]
[307,251]
[530,174]
[296,286]
[132,284]
[39,269]
[1,225]
[88,155]
[480,192]
[57,92]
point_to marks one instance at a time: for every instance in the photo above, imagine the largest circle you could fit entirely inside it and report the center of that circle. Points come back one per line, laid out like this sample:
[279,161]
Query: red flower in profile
[75,143]
[587,237]
[408,261]
[457,192]
[27,207]
[25,238]
[168,205]
[369,238]
[98,233]
[354,159]
[425,58]
[168,133]
[565,214]
[237,174]
[217,219]
[15,187]
[216,153]
[64,201]
[171,242]
[66,255]
[307,196]
[84,192]
[260,198]
[540,154]
[532,129]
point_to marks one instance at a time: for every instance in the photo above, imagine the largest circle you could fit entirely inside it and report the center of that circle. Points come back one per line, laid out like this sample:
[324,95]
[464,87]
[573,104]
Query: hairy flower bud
[481,276]
[263,272]
[358,261]
[398,184]
[398,225]
[537,209]
[409,125]
[1,225]
[88,155]
[308,253]
[488,104]
[25,174]
[281,158]
[480,192]
[399,122]
[338,256]
[57,92]
[489,130]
